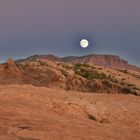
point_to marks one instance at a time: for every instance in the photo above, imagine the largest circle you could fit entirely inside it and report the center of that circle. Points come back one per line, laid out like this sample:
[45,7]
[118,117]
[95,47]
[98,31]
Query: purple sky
[30,27]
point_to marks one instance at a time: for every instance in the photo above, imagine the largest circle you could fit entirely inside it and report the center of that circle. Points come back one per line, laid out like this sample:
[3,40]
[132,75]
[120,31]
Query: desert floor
[37,113]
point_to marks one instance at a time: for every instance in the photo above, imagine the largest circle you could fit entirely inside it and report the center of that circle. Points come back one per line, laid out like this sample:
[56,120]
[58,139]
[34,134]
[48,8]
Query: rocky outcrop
[11,67]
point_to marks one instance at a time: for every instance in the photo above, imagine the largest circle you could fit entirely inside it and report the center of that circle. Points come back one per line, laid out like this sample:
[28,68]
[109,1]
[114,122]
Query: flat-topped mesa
[100,60]
[107,60]
[111,61]
[11,66]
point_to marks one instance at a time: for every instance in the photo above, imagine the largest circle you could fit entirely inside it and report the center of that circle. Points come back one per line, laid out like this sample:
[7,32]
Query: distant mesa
[111,61]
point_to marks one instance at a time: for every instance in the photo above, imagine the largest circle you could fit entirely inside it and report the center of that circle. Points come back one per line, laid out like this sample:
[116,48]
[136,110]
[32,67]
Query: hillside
[82,77]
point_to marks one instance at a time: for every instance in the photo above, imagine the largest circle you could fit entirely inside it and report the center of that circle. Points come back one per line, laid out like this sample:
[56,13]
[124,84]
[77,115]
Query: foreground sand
[31,113]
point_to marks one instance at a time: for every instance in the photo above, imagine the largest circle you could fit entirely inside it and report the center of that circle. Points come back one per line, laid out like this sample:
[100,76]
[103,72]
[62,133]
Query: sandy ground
[31,113]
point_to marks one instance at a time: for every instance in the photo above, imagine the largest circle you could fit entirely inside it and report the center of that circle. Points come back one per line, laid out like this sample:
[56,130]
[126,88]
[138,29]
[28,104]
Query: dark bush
[80,65]
[126,90]
[88,74]
[92,117]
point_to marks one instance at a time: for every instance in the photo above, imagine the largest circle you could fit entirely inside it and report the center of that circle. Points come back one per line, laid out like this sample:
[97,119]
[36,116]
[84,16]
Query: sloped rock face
[43,73]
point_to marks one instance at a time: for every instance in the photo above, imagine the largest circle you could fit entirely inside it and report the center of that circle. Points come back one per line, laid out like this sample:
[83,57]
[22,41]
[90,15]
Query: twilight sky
[30,27]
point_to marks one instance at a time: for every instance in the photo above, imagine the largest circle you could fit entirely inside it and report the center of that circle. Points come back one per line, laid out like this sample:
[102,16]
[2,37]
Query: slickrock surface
[39,113]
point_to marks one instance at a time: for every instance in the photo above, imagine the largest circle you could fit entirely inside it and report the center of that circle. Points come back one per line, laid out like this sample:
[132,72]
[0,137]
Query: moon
[84,43]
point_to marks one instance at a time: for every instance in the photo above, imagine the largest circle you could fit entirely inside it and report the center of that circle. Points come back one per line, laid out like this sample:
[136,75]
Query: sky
[29,27]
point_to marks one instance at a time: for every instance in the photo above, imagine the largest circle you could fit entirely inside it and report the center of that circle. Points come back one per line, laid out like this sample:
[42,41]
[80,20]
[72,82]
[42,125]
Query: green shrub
[130,85]
[113,80]
[123,79]
[123,71]
[123,83]
[135,88]
[126,90]
[80,65]
[137,76]
[106,83]
[92,117]
[88,74]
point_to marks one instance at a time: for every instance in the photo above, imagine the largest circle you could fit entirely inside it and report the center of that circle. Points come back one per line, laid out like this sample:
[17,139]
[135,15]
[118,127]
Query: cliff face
[100,60]
[110,61]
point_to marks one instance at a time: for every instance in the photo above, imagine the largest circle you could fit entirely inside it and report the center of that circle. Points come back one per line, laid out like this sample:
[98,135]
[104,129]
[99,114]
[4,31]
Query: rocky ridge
[110,61]
[82,77]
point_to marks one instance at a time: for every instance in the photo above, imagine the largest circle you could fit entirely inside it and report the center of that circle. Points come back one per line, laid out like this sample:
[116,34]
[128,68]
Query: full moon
[84,43]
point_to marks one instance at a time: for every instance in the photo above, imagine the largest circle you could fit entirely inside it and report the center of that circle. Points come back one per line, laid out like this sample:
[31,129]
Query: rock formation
[11,67]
